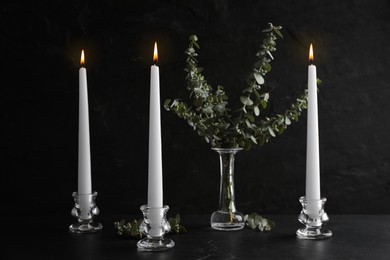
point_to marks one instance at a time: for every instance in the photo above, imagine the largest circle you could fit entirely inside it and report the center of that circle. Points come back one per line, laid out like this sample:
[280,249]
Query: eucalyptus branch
[255,221]
[260,69]
[246,127]
[131,228]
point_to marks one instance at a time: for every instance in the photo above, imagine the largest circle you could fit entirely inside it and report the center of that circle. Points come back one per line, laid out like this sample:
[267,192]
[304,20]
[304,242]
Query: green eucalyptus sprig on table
[128,228]
[255,221]
[131,228]
[176,227]
[247,126]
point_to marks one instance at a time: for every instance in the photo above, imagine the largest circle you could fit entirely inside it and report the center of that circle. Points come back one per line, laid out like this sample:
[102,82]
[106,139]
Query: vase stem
[227,217]
[226,199]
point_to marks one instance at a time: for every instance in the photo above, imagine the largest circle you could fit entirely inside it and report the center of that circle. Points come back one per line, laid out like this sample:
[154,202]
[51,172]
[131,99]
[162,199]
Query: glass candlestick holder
[85,210]
[155,226]
[313,217]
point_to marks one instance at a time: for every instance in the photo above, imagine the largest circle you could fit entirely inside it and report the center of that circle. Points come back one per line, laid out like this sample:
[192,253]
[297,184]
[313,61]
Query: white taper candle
[312,150]
[84,156]
[155,186]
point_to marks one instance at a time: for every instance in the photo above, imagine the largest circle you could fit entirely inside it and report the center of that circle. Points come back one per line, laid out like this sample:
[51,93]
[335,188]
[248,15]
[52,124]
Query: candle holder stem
[85,210]
[154,226]
[313,217]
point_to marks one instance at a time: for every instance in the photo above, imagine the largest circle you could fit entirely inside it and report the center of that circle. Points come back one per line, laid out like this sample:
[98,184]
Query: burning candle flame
[311,53]
[155,55]
[82,59]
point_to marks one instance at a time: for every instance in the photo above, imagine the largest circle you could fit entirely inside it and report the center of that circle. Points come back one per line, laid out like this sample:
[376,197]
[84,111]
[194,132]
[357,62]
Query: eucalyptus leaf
[271,132]
[246,101]
[259,78]
[270,55]
[244,109]
[253,139]
[166,103]
[277,31]
[266,96]
[256,110]
[266,66]
[250,117]
[193,38]
[207,110]
[281,129]
[257,94]
[264,103]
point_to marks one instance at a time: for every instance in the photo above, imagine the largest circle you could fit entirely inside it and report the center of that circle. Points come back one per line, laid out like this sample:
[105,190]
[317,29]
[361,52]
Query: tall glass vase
[227,218]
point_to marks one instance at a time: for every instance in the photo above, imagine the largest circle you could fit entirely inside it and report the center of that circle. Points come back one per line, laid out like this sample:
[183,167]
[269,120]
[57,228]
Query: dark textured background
[40,50]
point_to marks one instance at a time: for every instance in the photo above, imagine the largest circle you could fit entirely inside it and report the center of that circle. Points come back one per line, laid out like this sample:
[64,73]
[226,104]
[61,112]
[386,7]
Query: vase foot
[226,221]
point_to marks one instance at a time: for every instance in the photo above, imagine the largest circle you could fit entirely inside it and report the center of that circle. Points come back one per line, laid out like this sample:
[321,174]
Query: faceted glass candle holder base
[313,217]
[226,221]
[85,210]
[85,227]
[313,233]
[155,226]
[155,245]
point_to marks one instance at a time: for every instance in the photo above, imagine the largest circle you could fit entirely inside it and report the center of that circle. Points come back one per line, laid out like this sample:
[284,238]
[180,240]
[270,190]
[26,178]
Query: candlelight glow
[155,55]
[82,59]
[311,53]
